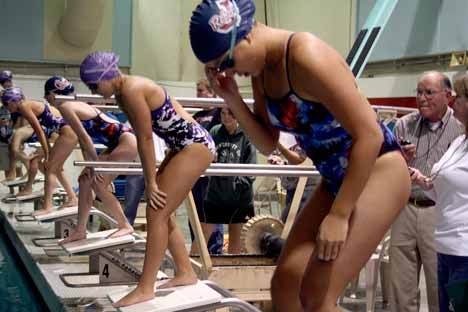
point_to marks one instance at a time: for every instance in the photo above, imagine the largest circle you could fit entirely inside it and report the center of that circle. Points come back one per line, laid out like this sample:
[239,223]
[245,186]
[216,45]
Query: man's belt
[423,202]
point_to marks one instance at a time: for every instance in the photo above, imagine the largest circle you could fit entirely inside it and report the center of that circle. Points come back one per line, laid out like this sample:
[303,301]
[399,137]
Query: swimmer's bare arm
[28,114]
[293,157]
[139,115]
[255,124]
[68,111]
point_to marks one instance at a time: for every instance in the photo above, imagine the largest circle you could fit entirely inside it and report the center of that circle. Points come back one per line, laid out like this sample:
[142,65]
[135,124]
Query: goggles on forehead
[228,61]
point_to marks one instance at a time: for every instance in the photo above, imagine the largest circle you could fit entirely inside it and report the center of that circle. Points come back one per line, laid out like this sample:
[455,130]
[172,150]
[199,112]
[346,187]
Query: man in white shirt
[425,136]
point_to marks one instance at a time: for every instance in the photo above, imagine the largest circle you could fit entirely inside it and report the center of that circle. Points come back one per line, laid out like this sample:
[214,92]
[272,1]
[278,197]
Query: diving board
[202,296]
[369,35]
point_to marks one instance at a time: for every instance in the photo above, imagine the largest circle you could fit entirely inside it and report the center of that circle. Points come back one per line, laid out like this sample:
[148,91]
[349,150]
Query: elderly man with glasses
[425,136]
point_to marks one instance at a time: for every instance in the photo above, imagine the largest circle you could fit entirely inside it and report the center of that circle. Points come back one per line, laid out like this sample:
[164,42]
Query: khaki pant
[412,246]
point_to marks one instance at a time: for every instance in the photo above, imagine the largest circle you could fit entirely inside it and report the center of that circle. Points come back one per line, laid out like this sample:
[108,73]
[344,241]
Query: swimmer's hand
[331,236]
[155,198]
[223,85]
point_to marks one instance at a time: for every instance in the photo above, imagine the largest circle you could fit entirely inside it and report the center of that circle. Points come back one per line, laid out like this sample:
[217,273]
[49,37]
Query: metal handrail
[130,164]
[221,172]
[191,102]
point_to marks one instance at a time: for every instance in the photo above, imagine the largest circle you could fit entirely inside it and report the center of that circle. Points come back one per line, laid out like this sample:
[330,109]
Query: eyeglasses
[428,93]
[228,61]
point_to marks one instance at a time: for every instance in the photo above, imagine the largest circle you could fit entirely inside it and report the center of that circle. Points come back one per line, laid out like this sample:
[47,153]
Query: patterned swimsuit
[318,133]
[105,132]
[177,132]
[50,122]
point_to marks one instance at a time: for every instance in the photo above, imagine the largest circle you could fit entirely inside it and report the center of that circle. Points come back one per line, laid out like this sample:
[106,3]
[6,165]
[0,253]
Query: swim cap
[99,66]
[58,85]
[212,23]
[5,75]
[13,94]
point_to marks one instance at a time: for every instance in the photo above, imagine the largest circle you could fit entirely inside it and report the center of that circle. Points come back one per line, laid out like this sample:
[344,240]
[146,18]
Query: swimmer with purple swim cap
[6,79]
[149,108]
[303,86]
[93,126]
[45,121]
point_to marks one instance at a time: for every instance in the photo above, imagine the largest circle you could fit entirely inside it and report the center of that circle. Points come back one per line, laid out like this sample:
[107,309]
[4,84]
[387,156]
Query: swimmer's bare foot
[128,229]
[74,236]
[70,203]
[10,178]
[135,296]
[180,279]
[42,212]
[27,190]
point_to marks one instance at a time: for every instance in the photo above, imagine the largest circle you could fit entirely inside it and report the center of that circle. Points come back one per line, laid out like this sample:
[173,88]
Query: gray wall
[25,33]
[21,29]
[420,27]
[122,31]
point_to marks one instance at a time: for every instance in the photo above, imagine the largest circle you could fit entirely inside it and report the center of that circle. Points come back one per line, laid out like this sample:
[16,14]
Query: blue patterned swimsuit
[318,133]
[105,132]
[35,138]
[177,132]
[50,122]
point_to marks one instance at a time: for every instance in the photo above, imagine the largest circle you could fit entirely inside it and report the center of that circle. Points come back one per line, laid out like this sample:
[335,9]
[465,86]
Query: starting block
[20,182]
[203,296]
[64,220]
[106,266]
[36,198]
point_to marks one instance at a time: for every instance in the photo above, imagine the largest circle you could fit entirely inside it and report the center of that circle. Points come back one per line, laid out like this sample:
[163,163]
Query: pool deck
[44,269]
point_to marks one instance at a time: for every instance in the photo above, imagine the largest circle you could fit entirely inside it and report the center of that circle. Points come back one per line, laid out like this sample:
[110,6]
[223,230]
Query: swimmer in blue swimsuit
[302,86]
[149,108]
[93,126]
[41,115]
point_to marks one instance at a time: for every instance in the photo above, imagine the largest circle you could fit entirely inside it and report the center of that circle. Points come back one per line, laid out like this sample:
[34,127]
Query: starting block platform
[107,266]
[64,220]
[64,213]
[98,241]
[34,197]
[202,296]
[19,182]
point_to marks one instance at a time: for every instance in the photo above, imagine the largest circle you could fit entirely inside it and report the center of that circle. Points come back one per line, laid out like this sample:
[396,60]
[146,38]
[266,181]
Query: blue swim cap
[5,75]
[58,85]
[212,23]
[13,94]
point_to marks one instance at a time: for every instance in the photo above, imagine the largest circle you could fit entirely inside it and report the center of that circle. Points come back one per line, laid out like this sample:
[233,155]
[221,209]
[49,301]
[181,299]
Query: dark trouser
[309,189]
[216,240]
[133,193]
[450,269]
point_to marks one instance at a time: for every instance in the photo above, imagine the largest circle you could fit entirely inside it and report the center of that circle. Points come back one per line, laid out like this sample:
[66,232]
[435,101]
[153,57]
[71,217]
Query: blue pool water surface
[17,292]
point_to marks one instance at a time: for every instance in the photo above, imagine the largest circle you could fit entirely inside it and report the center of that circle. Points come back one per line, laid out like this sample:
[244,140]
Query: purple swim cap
[5,75]
[99,66]
[13,94]
[212,23]
[58,85]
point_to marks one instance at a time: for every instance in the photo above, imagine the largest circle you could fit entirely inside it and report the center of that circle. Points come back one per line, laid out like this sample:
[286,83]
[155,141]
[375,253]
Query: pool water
[17,292]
